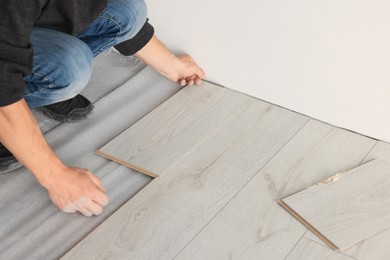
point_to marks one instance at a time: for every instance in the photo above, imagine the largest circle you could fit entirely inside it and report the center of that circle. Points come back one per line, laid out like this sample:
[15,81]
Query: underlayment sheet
[31,227]
[346,208]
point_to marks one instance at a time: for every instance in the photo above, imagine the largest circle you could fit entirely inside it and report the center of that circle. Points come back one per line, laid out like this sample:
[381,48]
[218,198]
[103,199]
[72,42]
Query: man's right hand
[71,189]
[75,189]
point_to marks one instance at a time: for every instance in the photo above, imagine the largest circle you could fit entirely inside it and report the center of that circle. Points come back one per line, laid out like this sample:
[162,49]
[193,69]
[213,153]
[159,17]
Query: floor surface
[203,208]
[218,198]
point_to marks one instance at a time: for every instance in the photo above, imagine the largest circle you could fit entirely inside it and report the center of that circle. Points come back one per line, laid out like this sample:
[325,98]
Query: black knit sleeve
[136,43]
[16,21]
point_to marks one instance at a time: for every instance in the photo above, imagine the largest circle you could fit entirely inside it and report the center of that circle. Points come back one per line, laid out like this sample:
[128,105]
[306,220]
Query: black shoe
[71,110]
[7,161]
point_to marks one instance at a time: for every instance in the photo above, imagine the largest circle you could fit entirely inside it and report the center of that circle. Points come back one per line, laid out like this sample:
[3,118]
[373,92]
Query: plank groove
[166,215]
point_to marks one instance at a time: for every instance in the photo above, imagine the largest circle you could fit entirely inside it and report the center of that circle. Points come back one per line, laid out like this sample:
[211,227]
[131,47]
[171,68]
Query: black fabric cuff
[10,95]
[136,43]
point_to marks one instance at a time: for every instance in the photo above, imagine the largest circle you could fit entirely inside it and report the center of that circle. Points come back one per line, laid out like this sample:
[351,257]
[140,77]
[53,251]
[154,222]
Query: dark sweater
[17,17]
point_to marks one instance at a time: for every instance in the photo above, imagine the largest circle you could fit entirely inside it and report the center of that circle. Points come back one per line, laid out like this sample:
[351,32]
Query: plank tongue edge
[132,166]
[308,225]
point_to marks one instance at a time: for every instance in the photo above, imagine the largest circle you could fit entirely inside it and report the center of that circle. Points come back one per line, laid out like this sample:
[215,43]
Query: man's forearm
[20,133]
[156,55]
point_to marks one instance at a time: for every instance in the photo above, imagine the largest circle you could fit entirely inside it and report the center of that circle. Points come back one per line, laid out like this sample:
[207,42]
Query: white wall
[329,59]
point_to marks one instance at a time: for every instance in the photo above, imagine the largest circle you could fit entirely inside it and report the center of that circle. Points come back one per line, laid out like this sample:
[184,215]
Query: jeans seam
[42,89]
[113,39]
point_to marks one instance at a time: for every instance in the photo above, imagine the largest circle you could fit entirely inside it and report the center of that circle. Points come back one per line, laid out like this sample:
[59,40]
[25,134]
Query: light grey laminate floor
[220,174]
[218,201]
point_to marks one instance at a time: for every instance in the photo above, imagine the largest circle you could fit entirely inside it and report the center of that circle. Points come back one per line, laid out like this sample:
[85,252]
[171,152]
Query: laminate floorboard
[253,225]
[307,249]
[167,214]
[376,247]
[349,208]
[161,138]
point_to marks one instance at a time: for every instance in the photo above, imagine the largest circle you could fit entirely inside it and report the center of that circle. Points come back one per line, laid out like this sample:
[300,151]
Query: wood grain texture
[317,152]
[350,207]
[376,247]
[253,225]
[307,249]
[162,137]
[167,214]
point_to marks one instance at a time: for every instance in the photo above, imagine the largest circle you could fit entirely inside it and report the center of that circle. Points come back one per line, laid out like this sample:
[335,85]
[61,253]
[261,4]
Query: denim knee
[62,66]
[75,69]
[131,15]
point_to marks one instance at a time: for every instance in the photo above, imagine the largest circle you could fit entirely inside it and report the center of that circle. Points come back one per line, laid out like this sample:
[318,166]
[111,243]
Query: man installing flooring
[46,53]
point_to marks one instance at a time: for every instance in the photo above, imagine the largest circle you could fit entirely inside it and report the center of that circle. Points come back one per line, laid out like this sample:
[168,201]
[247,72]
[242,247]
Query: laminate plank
[348,207]
[162,137]
[307,249]
[253,225]
[376,247]
[163,218]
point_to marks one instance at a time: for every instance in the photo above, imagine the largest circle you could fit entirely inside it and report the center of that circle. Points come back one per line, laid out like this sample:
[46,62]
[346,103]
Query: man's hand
[181,69]
[188,71]
[71,189]
[74,189]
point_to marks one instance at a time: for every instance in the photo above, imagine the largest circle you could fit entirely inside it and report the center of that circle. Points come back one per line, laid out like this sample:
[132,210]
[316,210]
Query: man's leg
[121,20]
[62,63]
[62,66]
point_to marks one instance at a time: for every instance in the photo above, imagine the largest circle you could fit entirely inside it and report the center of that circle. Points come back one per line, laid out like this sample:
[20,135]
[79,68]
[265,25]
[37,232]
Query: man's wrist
[52,170]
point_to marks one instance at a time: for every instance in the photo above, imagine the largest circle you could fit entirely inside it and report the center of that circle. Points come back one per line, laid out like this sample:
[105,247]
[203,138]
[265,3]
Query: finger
[183,82]
[82,205]
[190,82]
[191,79]
[95,208]
[200,73]
[100,198]
[84,211]
[96,181]
[70,208]
[62,204]
[198,81]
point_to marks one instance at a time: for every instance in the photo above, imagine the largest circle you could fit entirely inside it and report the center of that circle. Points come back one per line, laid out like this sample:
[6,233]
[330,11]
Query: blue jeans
[62,63]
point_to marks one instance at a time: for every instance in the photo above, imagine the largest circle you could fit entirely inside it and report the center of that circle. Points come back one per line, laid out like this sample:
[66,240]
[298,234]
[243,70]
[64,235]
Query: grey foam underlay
[31,227]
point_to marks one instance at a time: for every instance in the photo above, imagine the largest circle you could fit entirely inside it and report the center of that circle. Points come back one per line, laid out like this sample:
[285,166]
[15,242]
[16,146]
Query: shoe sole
[72,117]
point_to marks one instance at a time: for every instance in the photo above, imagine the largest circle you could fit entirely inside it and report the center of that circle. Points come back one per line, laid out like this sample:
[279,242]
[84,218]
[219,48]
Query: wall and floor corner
[326,59]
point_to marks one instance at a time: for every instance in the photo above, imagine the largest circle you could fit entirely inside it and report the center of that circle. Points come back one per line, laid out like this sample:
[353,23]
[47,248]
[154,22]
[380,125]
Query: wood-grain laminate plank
[253,225]
[162,137]
[348,207]
[376,247]
[166,215]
